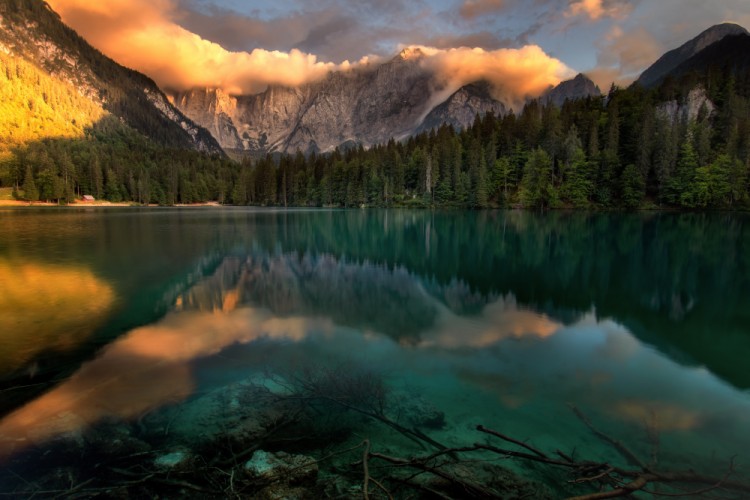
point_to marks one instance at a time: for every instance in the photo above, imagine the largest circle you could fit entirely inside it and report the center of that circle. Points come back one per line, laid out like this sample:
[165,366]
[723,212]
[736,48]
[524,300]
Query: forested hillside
[685,144]
[56,144]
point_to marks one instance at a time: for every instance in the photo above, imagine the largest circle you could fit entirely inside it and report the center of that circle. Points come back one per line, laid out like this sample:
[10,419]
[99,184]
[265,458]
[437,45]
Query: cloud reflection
[150,366]
[521,357]
[147,368]
[47,307]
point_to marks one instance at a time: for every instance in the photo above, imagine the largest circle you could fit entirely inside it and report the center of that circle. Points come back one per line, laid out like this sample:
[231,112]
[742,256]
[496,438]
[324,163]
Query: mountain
[364,106]
[730,54]
[32,33]
[579,87]
[460,109]
[674,58]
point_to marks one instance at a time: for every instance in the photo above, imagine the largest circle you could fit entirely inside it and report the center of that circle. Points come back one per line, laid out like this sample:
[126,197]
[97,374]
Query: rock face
[579,87]
[696,106]
[32,31]
[460,109]
[674,58]
[364,106]
[212,110]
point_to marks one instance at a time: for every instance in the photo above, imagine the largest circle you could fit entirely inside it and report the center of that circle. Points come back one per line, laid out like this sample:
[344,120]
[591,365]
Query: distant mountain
[674,58]
[365,106]
[579,87]
[460,109]
[30,32]
[731,54]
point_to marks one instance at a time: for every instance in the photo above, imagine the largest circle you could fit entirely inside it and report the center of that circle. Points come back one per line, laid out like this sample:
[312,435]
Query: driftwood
[218,471]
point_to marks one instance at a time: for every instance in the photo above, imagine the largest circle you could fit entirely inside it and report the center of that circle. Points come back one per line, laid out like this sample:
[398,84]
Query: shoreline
[99,204]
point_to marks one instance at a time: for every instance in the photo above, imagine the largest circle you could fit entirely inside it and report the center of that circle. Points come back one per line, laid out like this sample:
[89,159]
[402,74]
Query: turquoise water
[175,325]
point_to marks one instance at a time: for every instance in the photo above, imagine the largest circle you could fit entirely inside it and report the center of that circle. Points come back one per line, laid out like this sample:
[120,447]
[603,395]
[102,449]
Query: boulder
[281,467]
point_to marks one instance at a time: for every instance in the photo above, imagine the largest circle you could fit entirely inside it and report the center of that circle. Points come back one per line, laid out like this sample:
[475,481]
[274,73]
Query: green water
[148,317]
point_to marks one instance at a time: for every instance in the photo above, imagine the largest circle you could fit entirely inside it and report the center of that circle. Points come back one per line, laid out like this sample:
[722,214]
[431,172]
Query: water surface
[506,319]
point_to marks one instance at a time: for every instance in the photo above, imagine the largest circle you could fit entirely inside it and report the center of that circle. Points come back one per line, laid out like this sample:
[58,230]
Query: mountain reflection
[145,369]
[317,307]
[46,307]
[250,299]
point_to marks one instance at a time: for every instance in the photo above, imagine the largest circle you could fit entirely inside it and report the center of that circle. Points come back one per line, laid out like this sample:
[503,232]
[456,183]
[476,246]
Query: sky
[522,45]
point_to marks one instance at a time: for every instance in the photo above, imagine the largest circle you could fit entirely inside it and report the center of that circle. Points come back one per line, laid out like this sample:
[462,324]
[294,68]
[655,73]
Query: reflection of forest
[358,295]
[679,281]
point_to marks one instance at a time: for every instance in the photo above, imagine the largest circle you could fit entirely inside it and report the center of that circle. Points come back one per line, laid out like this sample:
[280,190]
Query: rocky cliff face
[366,106]
[696,106]
[460,109]
[674,58]
[579,87]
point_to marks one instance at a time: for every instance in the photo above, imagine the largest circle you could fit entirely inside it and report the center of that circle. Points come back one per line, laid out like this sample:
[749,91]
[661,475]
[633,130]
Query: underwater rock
[113,439]
[177,459]
[506,483]
[284,492]
[419,412]
[239,413]
[297,470]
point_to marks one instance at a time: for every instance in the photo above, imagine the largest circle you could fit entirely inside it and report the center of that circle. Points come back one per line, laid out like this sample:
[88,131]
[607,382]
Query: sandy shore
[80,204]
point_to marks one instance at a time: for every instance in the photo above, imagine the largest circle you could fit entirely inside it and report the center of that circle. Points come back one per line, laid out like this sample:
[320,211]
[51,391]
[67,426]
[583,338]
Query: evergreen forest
[685,144]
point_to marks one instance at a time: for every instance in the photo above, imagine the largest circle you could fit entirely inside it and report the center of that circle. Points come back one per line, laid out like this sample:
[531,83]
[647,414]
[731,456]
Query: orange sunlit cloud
[515,74]
[623,54]
[145,35]
[598,9]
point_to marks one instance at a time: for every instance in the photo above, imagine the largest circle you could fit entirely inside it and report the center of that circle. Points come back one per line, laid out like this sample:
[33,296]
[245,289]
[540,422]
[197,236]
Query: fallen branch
[484,429]
[618,445]
[366,470]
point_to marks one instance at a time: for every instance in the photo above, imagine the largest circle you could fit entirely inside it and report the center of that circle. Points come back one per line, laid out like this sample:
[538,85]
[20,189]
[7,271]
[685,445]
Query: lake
[138,346]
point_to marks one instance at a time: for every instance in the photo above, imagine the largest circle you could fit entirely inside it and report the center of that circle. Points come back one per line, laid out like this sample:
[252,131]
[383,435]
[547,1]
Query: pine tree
[30,192]
[536,186]
[633,187]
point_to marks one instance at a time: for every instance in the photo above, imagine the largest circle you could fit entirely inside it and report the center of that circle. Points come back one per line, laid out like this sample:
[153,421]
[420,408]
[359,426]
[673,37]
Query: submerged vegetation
[310,434]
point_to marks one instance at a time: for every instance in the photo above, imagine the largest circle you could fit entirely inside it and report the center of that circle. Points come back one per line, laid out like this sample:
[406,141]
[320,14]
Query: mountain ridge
[668,62]
[365,106]
[31,30]
[577,88]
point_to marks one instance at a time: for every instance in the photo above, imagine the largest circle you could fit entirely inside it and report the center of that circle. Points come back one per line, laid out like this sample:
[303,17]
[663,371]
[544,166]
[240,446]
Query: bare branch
[618,445]
[484,429]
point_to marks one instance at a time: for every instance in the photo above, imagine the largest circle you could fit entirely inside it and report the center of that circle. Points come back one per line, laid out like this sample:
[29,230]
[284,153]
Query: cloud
[514,74]
[481,39]
[144,35]
[598,9]
[624,55]
[471,9]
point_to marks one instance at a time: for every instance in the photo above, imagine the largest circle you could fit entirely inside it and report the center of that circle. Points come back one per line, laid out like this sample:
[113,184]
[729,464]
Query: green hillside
[56,144]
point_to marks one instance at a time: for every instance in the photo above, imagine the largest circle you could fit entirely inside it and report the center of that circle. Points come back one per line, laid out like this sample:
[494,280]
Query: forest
[632,148]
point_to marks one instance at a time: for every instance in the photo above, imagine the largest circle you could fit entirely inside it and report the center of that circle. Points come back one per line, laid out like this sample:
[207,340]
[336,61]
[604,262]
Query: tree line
[632,148]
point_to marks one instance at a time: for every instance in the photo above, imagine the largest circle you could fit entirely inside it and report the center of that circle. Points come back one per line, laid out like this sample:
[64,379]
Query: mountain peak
[672,59]
[410,53]
[579,87]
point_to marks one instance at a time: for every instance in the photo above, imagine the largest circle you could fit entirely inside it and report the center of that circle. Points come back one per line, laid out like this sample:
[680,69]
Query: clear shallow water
[154,318]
